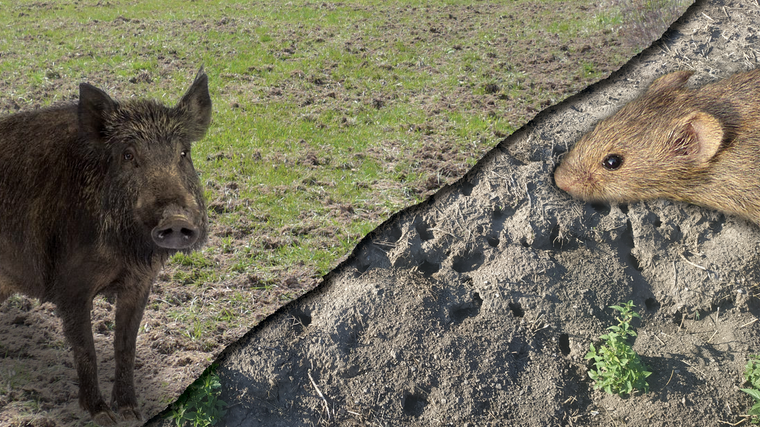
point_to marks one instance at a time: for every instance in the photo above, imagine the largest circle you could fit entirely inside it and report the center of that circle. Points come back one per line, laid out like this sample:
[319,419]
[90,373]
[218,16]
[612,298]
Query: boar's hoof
[105,418]
[130,414]
[175,233]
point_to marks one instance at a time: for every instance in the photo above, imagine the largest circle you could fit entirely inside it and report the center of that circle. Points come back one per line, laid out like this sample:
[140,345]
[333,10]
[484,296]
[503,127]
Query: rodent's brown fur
[699,146]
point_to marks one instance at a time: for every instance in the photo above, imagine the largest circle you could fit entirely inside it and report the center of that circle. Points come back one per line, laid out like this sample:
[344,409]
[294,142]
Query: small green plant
[199,405]
[752,375]
[618,369]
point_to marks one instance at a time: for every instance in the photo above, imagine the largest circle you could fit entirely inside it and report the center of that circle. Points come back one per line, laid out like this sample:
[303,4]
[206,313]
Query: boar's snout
[175,232]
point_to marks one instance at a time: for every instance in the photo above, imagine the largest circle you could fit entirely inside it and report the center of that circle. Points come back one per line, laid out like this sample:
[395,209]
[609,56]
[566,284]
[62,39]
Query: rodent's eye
[183,153]
[128,155]
[612,162]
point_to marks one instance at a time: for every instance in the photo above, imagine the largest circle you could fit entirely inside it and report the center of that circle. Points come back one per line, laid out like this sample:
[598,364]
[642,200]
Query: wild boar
[96,196]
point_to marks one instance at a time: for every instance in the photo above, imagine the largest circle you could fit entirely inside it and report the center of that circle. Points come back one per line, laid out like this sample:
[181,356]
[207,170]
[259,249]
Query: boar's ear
[699,139]
[670,81]
[197,104]
[95,106]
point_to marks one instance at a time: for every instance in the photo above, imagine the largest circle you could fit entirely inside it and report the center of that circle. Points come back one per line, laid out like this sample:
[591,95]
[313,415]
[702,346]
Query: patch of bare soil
[477,306]
[415,295]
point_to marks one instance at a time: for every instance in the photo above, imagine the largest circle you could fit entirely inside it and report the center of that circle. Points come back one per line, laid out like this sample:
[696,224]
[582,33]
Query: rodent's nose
[562,178]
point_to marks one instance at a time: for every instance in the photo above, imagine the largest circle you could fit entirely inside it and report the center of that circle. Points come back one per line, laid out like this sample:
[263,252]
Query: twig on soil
[527,194]
[442,231]
[385,243]
[695,368]
[664,48]
[610,416]
[749,323]
[711,336]
[672,371]
[462,229]
[658,339]
[536,324]
[691,263]
[327,406]
[733,424]
[675,278]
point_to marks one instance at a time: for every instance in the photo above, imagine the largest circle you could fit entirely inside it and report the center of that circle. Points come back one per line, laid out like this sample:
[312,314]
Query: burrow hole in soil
[635,262]
[467,188]
[424,231]
[414,404]
[517,310]
[362,266]
[564,344]
[428,268]
[553,236]
[601,208]
[678,318]
[468,262]
[394,234]
[468,309]
[302,320]
[652,304]
[493,241]
[499,214]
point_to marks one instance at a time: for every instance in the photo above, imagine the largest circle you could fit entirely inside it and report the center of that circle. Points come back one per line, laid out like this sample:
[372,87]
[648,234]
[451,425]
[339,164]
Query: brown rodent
[699,146]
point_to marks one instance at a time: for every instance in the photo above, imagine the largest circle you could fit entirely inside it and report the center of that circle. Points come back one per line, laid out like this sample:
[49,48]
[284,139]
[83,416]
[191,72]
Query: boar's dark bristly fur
[96,196]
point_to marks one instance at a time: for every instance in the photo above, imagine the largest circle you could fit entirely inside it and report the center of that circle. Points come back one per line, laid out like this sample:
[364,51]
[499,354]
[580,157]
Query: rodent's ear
[670,81]
[700,138]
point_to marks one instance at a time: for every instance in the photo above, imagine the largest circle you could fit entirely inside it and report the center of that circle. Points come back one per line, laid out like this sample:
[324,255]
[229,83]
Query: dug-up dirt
[476,307]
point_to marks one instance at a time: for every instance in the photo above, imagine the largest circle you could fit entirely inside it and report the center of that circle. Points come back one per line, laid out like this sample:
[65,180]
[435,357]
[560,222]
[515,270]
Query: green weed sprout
[618,369]
[200,404]
[752,375]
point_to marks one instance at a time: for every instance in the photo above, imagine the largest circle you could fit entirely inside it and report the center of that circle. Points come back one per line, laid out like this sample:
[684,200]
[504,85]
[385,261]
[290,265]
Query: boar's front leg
[130,304]
[77,326]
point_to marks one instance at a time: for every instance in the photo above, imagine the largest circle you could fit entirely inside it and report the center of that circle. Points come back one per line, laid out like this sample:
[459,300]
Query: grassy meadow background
[328,117]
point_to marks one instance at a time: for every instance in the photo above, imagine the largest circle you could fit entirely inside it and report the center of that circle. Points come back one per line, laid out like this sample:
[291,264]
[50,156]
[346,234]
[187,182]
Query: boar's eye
[612,162]
[183,153]
[129,155]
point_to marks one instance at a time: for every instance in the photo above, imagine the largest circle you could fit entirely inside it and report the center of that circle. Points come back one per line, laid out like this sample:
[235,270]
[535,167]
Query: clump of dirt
[477,306]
